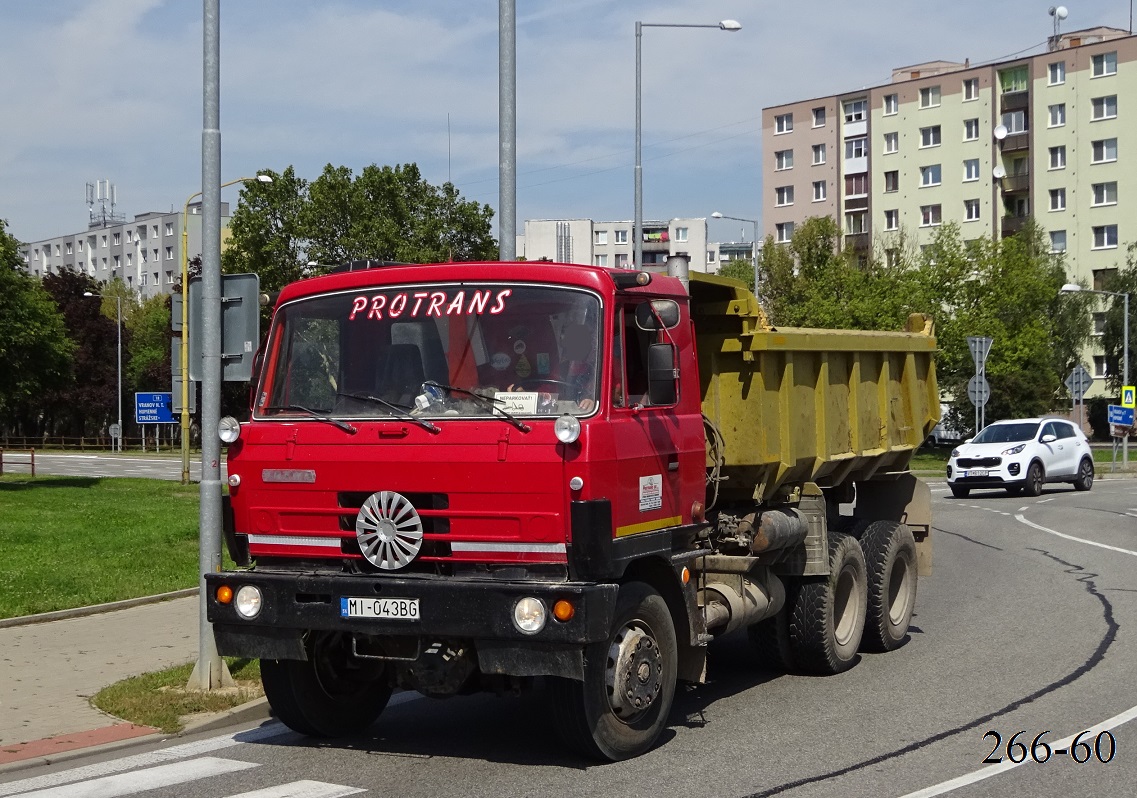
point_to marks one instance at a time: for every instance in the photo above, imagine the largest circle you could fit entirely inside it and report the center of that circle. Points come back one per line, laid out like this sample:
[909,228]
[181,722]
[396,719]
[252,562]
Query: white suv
[1020,455]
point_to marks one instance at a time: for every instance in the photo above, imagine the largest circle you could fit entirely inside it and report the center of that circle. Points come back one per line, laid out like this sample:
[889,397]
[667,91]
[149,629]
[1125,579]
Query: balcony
[1014,184]
[1012,224]
[1015,142]
[1014,101]
[857,241]
[857,203]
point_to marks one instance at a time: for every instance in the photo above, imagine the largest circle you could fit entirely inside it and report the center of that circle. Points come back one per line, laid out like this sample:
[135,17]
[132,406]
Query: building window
[818,154]
[892,219]
[819,117]
[622,260]
[929,97]
[891,181]
[855,223]
[855,111]
[818,190]
[1056,73]
[784,195]
[154,231]
[891,104]
[104,242]
[971,169]
[155,252]
[1104,151]
[129,236]
[621,236]
[783,231]
[69,248]
[1057,114]
[971,210]
[856,148]
[970,129]
[1015,121]
[930,215]
[1105,107]
[169,228]
[129,259]
[681,234]
[1105,64]
[930,136]
[169,253]
[1057,199]
[930,175]
[1099,366]
[600,237]
[1058,157]
[857,185]
[117,239]
[783,159]
[169,278]
[710,257]
[1057,240]
[783,123]
[103,266]
[81,243]
[971,89]
[1105,193]
[1099,324]
[891,142]
[117,261]
[1014,79]
[1103,276]
[600,260]
[1105,236]
[142,281]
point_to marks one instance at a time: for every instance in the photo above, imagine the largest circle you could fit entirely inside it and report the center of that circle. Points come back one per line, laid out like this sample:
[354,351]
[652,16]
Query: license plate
[396,609]
[977,472]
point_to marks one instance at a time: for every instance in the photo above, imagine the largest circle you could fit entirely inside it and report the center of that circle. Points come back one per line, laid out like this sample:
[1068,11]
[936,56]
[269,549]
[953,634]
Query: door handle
[673,463]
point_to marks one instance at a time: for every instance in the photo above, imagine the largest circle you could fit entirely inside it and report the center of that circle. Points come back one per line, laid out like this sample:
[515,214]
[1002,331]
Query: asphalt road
[1029,623]
[148,466]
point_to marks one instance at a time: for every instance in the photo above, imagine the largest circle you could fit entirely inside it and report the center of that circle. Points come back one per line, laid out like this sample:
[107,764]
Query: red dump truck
[485,476]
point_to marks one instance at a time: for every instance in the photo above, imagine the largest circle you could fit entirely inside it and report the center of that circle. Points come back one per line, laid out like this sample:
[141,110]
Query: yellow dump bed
[796,405]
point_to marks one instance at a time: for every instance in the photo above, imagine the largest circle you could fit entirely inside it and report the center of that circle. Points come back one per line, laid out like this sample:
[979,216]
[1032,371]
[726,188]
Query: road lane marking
[1003,767]
[302,789]
[1071,537]
[154,778]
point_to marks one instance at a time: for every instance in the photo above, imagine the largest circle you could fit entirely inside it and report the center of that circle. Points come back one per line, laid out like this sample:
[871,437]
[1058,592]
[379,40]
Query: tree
[1121,281]
[739,269]
[148,362]
[34,348]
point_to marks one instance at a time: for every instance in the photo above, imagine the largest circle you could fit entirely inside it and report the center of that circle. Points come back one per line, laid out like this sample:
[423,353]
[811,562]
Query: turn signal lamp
[224,594]
[686,575]
[563,611]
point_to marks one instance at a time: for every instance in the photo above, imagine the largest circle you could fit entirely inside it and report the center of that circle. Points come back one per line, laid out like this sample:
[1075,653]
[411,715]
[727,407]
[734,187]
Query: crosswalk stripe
[174,752]
[302,789]
[148,779]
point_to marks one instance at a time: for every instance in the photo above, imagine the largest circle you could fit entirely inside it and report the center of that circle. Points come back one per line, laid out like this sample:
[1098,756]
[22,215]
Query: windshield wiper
[318,415]
[396,409]
[484,401]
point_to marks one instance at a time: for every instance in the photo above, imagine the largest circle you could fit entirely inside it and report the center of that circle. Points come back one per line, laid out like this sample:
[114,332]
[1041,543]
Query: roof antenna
[1059,13]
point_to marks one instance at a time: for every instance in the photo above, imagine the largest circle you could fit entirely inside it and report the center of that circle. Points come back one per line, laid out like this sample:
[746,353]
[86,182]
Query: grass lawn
[76,541]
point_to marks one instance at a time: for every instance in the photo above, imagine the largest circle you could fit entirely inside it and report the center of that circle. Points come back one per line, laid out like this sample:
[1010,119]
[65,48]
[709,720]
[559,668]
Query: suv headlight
[954,453]
[1015,449]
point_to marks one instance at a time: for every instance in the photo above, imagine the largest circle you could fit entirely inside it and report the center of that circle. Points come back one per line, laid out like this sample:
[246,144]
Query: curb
[96,609]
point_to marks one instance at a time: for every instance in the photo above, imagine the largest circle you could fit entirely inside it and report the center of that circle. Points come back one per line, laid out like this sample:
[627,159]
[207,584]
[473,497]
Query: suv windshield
[528,350]
[1007,433]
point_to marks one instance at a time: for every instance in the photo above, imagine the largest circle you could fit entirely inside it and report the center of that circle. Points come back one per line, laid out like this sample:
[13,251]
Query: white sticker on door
[651,492]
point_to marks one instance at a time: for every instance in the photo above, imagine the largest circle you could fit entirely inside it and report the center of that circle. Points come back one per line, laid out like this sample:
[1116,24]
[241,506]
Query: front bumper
[449,607]
[1007,474]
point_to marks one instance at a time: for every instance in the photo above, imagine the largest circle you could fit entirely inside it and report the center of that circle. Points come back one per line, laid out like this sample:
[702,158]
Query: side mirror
[1048,438]
[661,374]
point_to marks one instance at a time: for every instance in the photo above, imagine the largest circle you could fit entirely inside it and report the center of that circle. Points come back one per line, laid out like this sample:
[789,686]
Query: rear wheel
[1034,479]
[890,558]
[621,707]
[827,617]
[1085,479]
[771,640]
[331,694]
[958,492]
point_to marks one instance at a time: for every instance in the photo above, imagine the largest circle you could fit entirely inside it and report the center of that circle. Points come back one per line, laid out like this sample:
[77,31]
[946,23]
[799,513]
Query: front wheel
[827,617]
[621,707]
[960,493]
[890,556]
[1034,479]
[331,694]
[1085,479]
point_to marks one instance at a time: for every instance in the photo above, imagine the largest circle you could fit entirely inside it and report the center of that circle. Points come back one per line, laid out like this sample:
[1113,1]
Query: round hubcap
[635,673]
[846,606]
[389,530]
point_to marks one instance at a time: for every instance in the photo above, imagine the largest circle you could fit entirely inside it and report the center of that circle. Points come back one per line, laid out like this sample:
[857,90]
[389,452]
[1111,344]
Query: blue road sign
[1122,416]
[154,408]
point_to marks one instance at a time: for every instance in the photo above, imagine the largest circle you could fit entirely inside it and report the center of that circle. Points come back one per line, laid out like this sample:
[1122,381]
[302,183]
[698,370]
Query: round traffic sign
[116,431]
[978,390]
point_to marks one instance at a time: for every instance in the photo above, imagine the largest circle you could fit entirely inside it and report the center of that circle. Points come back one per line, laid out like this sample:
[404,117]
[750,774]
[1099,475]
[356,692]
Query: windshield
[1007,433]
[423,350]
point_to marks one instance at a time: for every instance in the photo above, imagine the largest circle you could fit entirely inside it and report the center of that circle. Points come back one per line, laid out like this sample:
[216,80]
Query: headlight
[248,602]
[529,615]
[954,453]
[567,429]
[228,429]
[1015,449]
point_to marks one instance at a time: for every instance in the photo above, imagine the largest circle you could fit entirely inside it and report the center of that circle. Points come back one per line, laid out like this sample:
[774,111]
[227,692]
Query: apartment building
[145,253]
[985,146]
[612,243]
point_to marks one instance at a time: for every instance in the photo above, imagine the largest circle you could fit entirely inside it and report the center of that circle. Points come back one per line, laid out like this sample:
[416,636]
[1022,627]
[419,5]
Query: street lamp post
[637,227]
[185,416]
[753,245]
[1073,288]
[118,307]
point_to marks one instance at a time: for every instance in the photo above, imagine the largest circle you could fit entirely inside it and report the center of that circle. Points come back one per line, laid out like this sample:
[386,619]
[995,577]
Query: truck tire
[332,694]
[890,557]
[827,616]
[771,640]
[621,707]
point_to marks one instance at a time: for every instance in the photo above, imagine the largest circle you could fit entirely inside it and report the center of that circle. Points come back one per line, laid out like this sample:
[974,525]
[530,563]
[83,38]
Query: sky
[112,90]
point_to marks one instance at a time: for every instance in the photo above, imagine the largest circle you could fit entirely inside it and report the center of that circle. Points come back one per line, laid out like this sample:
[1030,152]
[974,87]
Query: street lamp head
[1070,288]
[716,215]
[88,293]
[264,178]
[730,24]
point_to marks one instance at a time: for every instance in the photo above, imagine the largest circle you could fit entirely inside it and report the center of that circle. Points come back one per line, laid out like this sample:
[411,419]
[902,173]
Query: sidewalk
[48,671]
